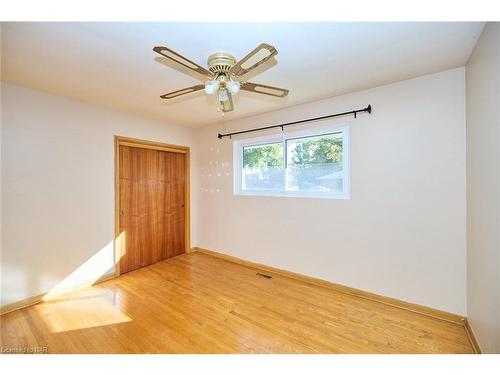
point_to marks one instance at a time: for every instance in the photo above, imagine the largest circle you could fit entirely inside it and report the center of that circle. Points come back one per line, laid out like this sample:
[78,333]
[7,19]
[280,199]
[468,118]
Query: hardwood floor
[197,303]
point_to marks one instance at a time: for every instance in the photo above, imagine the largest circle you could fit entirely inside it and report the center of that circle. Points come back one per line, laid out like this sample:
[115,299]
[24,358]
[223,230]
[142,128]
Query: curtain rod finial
[369,108]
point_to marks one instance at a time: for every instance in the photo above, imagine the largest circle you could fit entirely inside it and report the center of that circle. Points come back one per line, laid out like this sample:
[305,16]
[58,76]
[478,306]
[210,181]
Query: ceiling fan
[225,74]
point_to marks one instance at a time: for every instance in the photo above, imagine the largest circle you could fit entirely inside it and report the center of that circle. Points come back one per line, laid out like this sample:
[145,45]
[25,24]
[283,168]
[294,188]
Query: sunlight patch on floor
[81,310]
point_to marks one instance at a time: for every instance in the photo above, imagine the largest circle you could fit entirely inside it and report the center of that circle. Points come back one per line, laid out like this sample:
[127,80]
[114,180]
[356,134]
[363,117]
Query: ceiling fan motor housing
[219,63]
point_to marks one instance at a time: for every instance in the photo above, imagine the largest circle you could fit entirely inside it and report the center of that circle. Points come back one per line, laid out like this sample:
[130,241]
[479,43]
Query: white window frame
[238,146]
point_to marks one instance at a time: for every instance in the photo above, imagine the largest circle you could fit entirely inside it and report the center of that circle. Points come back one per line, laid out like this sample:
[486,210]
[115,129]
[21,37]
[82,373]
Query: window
[263,167]
[312,163]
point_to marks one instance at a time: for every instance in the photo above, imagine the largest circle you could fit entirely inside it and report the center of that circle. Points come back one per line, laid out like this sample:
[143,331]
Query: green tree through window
[263,156]
[317,150]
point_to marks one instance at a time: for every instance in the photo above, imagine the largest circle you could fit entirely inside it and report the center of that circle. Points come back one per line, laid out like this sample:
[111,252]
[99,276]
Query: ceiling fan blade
[255,58]
[187,90]
[264,89]
[174,56]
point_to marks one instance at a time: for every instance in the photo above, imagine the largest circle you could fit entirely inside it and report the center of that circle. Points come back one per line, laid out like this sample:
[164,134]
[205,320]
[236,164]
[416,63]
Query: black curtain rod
[282,126]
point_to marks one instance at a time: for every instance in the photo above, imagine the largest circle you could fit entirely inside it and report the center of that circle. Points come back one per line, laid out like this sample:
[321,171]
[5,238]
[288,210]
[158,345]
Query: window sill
[292,195]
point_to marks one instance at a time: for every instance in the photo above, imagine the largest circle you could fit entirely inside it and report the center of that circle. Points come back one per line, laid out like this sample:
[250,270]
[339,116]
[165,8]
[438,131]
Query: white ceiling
[113,65]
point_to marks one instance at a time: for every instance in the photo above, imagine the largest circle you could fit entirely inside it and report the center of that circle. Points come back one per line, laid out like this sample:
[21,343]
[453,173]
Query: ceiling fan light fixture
[211,86]
[233,86]
[223,95]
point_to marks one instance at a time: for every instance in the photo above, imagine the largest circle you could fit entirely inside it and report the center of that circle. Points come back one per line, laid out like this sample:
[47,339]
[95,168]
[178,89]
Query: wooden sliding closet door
[152,195]
[173,172]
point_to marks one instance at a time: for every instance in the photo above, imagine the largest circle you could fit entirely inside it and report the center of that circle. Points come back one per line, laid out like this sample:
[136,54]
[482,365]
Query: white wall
[403,232]
[58,188]
[483,189]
